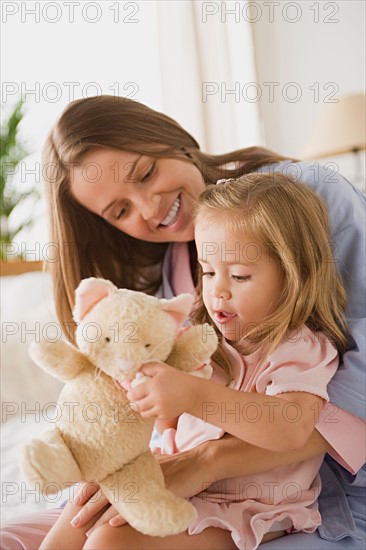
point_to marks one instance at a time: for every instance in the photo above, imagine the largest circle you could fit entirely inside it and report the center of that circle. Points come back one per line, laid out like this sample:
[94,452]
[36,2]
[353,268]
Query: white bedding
[16,498]
[26,309]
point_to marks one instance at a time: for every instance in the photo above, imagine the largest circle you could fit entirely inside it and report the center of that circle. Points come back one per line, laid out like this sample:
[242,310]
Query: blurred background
[233,73]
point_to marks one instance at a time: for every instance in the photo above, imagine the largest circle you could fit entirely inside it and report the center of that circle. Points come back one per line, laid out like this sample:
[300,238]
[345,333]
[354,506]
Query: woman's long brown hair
[89,246]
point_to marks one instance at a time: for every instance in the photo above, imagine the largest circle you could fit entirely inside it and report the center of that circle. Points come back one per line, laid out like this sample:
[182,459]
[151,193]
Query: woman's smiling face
[146,197]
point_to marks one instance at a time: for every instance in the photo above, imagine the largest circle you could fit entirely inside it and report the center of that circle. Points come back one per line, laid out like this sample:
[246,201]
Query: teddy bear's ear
[89,293]
[179,307]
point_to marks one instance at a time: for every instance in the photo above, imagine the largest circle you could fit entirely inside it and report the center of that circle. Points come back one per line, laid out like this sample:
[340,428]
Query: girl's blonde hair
[291,222]
[88,245]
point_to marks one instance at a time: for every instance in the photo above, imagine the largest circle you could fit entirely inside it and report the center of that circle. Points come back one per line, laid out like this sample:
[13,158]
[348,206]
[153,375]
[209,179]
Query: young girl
[270,288]
[117,153]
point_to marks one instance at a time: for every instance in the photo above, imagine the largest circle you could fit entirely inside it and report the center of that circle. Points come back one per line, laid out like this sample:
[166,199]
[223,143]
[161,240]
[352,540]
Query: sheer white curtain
[180,57]
[191,59]
[207,67]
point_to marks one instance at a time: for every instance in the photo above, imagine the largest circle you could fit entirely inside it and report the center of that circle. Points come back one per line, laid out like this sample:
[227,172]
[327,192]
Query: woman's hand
[92,500]
[167,394]
[189,472]
[186,474]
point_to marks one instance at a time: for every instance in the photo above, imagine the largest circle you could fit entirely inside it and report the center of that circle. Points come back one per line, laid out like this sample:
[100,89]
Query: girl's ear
[89,293]
[179,308]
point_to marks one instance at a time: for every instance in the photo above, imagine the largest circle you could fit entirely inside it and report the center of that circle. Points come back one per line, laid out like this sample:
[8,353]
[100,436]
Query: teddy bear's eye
[107,339]
[147,345]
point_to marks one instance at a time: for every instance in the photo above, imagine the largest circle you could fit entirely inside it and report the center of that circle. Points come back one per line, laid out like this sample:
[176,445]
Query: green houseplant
[11,155]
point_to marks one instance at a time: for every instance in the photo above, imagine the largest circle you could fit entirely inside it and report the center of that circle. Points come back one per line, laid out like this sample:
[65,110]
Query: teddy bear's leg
[48,464]
[139,494]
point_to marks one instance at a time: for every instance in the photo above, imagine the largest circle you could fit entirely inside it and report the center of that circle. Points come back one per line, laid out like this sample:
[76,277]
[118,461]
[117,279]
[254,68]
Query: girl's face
[148,198]
[242,284]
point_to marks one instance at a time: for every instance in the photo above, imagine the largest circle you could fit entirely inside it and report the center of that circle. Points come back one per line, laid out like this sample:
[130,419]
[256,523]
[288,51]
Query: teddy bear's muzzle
[125,364]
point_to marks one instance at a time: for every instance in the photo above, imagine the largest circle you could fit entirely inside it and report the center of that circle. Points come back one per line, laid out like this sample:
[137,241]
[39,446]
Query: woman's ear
[89,293]
[185,152]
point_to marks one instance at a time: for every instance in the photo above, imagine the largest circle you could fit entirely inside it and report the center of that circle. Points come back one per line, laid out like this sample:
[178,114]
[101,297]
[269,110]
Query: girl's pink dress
[284,498]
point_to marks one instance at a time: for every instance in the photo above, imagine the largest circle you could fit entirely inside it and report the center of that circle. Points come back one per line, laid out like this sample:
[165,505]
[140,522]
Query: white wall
[307,43]
[64,51]
[322,52]
[159,52]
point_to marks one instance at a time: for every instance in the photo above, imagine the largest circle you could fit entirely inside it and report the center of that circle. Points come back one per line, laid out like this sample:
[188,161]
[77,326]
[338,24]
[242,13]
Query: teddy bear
[99,436]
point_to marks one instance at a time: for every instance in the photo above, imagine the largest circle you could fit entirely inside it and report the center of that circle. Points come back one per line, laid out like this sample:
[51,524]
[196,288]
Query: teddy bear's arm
[59,359]
[193,348]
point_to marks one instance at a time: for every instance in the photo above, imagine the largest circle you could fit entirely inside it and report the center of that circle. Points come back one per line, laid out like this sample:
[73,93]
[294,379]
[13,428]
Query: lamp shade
[339,129]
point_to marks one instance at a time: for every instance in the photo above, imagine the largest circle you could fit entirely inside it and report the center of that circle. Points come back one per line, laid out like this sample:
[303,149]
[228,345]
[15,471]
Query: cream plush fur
[99,435]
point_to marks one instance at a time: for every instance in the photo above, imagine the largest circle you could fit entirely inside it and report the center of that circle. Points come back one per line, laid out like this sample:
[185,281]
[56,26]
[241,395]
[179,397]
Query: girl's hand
[167,394]
[92,500]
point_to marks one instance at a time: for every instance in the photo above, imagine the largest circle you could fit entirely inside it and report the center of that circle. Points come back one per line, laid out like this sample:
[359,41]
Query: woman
[121,180]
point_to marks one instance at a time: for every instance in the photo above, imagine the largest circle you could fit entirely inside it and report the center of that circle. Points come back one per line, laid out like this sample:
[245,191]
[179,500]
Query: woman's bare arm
[189,472]
[231,457]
